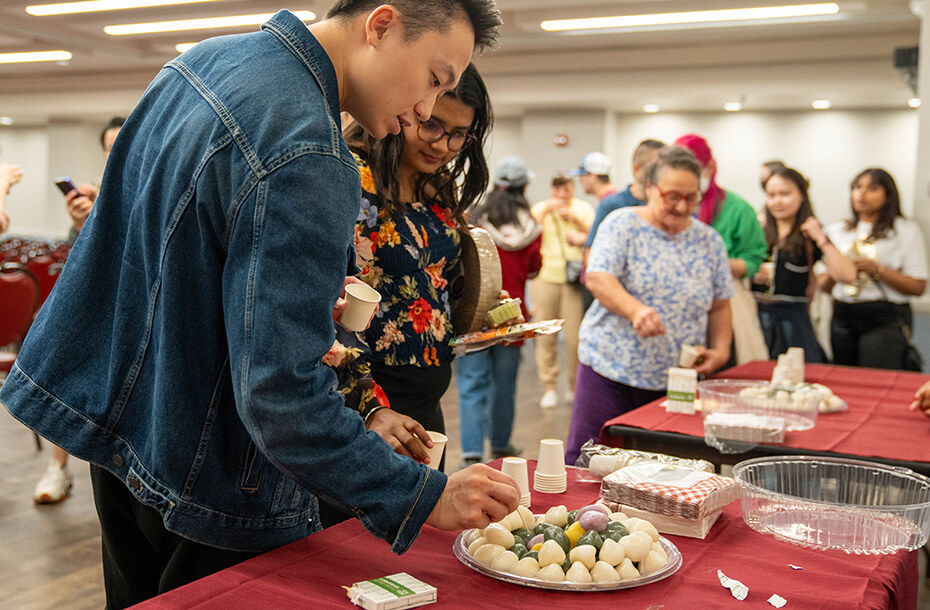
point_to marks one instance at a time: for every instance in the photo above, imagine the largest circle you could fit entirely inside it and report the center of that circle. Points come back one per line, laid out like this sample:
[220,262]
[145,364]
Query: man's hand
[647,323]
[475,497]
[4,221]
[79,203]
[398,431]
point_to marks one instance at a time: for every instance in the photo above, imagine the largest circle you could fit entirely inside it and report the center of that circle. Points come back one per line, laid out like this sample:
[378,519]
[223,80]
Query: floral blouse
[408,256]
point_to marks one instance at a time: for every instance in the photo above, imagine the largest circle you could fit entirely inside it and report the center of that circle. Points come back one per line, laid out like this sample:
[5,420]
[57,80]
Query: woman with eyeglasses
[661,280]
[415,188]
[784,286]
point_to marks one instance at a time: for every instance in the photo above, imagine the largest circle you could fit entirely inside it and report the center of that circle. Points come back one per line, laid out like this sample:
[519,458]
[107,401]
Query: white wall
[35,205]
[829,147]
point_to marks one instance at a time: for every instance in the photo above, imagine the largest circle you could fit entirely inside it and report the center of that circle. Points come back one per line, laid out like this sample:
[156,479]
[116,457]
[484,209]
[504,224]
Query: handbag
[913,361]
[749,342]
[572,268]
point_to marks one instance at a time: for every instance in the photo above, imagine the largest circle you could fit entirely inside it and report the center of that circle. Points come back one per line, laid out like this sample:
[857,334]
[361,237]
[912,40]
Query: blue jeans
[487,384]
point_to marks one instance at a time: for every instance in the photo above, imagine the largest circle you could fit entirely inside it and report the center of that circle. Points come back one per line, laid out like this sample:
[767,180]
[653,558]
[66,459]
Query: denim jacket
[182,346]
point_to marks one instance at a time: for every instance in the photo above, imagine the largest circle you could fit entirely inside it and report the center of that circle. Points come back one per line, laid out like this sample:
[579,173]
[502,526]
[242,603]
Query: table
[310,573]
[877,426]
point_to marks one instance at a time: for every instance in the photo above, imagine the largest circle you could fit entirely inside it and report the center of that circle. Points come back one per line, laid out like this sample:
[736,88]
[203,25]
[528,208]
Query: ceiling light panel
[155,27]
[93,6]
[21,58]
[692,17]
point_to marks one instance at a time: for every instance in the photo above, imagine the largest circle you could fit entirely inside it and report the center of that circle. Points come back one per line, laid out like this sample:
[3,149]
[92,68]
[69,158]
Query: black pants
[869,334]
[415,391]
[140,557]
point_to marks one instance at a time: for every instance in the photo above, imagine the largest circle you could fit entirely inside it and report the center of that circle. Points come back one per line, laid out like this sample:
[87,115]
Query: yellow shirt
[555,251]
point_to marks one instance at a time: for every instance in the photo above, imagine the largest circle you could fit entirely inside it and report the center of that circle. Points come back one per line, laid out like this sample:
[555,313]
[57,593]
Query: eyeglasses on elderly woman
[432,131]
[674,197]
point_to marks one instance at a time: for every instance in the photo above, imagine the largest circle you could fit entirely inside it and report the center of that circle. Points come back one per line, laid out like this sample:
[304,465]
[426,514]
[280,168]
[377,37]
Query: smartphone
[65,185]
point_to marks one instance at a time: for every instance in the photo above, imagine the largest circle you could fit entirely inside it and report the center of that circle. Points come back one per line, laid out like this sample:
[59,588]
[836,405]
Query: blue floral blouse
[679,276]
[408,256]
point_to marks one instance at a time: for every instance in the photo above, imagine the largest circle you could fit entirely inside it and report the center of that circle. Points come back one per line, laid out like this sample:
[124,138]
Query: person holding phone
[9,175]
[56,482]
[79,200]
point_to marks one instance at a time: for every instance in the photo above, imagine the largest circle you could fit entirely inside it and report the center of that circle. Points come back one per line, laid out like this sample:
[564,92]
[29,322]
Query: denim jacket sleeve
[285,268]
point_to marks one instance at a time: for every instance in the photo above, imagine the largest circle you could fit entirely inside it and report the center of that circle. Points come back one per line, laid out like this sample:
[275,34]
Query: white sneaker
[570,397]
[549,400]
[54,485]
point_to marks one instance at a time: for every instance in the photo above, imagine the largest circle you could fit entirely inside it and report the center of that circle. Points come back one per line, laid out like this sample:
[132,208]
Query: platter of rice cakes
[589,549]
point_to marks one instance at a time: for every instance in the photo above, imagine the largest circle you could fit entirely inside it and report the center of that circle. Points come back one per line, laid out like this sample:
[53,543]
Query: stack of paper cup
[516,468]
[550,477]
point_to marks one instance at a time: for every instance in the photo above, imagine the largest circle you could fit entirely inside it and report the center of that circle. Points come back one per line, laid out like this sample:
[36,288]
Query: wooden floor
[50,555]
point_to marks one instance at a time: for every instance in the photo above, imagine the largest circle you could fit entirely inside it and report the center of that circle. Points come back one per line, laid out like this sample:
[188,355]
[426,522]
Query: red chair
[19,301]
[46,271]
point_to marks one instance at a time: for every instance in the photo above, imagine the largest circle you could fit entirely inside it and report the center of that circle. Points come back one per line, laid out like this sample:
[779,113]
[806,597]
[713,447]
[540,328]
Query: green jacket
[741,232]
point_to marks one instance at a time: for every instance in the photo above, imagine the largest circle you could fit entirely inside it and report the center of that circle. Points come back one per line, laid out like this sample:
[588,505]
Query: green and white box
[682,386]
[393,592]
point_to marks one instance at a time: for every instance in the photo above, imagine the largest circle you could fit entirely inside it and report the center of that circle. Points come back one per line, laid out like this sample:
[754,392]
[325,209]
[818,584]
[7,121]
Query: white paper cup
[688,356]
[362,301]
[516,468]
[551,460]
[439,445]
[769,269]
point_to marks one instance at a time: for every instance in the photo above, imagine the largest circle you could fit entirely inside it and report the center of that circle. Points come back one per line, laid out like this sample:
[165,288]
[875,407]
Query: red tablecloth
[877,423]
[310,573]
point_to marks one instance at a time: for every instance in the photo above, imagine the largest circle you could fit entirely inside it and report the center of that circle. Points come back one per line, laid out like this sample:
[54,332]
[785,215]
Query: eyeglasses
[674,197]
[432,131]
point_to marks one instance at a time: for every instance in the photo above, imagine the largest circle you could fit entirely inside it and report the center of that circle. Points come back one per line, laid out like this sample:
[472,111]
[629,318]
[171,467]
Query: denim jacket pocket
[250,474]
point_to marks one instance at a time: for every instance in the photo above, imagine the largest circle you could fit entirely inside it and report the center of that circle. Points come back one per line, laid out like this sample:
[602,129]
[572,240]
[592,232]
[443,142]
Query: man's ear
[381,21]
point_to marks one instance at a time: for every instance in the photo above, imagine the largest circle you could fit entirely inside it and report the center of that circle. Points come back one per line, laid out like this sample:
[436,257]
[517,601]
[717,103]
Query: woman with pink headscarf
[736,222]
[728,213]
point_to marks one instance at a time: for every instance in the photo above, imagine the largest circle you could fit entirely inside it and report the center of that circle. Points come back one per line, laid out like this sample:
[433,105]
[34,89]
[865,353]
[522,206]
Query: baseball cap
[512,171]
[593,163]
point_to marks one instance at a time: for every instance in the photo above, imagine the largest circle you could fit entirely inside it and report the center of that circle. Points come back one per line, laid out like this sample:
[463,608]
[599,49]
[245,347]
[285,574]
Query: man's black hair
[421,16]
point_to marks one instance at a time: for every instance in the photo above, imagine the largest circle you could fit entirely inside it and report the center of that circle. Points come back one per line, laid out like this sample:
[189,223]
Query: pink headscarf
[714,195]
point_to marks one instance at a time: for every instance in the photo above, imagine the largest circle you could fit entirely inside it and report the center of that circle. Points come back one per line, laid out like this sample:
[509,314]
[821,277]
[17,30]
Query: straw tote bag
[747,331]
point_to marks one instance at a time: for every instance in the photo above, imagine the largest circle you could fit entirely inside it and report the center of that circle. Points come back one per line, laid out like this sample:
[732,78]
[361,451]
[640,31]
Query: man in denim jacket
[180,352]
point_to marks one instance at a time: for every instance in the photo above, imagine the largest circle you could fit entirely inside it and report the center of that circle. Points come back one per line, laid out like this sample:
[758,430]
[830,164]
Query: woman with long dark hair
[796,242]
[416,186]
[872,314]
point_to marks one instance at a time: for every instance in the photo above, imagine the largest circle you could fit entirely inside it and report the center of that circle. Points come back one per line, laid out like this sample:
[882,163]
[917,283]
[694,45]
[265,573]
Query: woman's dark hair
[455,188]
[889,211]
[673,157]
[113,123]
[794,243]
[501,206]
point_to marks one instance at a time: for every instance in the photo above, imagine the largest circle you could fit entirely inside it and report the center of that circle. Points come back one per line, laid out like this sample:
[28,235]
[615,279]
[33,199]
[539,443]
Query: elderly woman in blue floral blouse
[662,280]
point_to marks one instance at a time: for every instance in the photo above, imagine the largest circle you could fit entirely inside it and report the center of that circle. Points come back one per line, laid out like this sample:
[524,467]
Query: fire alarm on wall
[560,139]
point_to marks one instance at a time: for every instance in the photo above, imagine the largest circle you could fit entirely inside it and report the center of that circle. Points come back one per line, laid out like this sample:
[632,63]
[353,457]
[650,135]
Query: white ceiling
[847,58]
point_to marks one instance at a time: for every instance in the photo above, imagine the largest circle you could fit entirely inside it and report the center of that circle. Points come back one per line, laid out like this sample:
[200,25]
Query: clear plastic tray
[833,503]
[763,399]
[674,562]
